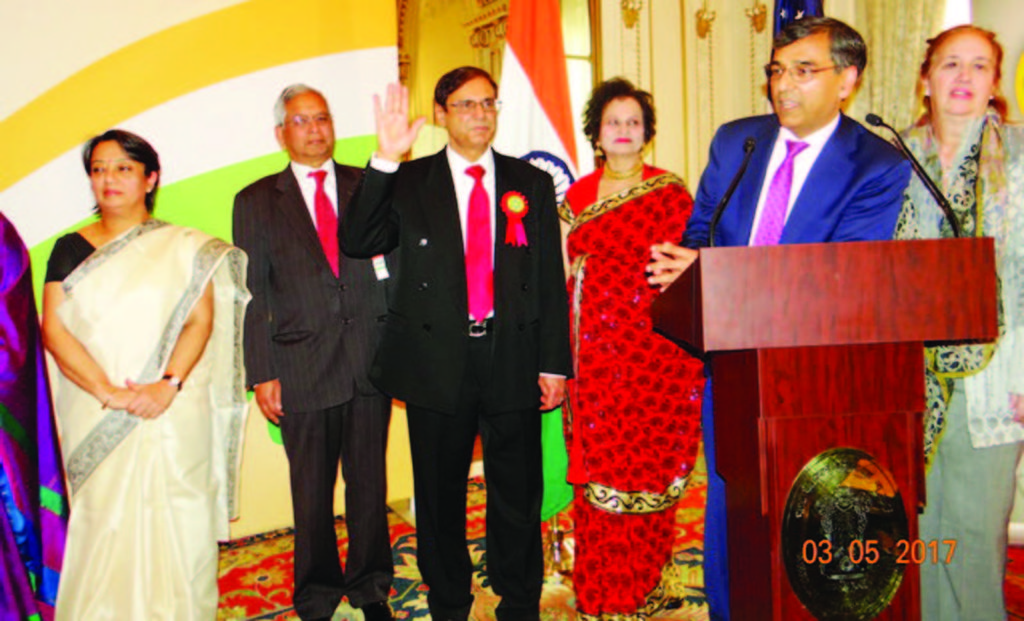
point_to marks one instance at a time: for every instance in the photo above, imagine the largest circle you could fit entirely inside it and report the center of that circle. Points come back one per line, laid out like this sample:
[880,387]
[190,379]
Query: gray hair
[289,93]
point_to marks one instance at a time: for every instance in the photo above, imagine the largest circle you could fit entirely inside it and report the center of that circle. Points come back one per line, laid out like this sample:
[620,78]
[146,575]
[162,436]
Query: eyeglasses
[302,121]
[800,74]
[469,106]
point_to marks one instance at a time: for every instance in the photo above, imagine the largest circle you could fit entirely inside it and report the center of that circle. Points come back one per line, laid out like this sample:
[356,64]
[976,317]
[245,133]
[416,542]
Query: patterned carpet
[256,572]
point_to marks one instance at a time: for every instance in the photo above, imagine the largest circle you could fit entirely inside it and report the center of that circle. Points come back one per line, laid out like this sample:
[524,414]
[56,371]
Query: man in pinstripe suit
[310,334]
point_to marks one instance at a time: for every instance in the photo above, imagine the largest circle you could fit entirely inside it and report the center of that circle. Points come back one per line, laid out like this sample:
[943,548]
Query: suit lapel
[297,216]
[513,265]
[345,190]
[503,257]
[503,184]
[441,215]
[822,190]
[744,201]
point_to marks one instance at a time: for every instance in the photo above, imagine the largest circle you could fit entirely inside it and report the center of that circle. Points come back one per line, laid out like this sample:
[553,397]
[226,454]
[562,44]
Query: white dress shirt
[463,184]
[463,187]
[307,185]
[802,164]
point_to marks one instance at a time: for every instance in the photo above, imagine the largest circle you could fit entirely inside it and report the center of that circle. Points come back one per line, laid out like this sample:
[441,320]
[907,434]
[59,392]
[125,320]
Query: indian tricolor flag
[536,125]
[536,121]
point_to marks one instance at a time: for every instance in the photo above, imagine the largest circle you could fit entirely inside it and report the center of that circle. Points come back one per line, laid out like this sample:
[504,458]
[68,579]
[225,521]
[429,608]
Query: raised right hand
[268,398]
[395,134]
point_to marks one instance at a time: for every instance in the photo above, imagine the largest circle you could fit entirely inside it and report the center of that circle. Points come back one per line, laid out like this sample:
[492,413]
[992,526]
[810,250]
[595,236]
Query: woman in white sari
[143,319]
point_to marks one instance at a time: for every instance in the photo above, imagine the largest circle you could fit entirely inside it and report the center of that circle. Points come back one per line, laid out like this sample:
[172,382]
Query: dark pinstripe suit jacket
[425,347]
[316,333]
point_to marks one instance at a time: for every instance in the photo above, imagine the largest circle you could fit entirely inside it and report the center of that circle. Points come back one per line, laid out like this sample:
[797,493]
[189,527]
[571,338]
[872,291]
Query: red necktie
[479,272]
[773,218]
[326,220]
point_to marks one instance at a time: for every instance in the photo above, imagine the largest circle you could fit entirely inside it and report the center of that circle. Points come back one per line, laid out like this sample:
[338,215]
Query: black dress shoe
[378,611]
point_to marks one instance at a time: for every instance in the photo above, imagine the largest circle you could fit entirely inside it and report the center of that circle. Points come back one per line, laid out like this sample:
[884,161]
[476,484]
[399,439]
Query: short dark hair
[607,92]
[454,79]
[846,46]
[137,149]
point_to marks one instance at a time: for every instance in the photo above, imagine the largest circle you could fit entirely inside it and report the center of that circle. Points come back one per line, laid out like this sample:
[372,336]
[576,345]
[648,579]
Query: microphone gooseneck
[947,210]
[748,151]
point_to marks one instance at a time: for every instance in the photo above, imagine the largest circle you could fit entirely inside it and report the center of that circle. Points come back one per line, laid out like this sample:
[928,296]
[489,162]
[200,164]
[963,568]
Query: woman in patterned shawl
[633,422]
[975,404]
[143,319]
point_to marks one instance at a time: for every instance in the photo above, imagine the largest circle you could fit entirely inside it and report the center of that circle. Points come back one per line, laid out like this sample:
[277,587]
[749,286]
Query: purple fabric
[33,503]
[773,218]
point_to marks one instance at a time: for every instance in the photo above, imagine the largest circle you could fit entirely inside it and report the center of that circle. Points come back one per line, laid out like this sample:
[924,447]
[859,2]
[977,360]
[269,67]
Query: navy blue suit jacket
[854,190]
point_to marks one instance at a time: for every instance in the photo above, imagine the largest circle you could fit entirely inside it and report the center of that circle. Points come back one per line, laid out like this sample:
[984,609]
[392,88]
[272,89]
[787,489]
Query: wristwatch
[173,380]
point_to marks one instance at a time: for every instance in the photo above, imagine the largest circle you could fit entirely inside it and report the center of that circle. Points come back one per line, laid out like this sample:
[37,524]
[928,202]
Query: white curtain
[896,34]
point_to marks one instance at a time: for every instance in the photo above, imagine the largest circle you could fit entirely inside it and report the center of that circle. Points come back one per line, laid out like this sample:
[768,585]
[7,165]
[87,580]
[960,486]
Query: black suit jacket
[423,355]
[314,332]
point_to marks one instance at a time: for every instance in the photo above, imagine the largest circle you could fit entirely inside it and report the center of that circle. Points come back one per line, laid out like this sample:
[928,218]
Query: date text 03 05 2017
[914,551]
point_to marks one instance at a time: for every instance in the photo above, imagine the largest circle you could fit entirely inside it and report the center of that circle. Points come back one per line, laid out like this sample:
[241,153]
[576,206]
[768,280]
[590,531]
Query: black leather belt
[480,328]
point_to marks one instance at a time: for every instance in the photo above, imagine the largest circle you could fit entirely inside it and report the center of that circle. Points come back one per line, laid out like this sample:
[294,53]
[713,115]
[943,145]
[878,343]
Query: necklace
[611,175]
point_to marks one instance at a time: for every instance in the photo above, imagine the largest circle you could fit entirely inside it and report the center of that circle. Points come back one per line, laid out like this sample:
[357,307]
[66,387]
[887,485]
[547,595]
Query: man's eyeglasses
[302,121]
[798,73]
[469,106]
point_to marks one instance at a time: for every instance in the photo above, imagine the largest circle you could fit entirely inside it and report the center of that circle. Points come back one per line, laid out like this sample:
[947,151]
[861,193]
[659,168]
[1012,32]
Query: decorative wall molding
[631,12]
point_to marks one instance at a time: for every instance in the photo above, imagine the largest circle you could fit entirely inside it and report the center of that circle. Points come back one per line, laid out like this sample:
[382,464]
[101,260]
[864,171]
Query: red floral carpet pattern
[256,572]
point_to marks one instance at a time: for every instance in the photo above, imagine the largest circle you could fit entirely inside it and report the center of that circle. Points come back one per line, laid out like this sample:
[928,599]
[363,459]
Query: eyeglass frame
[469,106]
[301,121]
[801,73]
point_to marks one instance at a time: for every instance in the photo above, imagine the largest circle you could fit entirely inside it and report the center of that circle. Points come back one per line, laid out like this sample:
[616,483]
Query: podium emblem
[844,533]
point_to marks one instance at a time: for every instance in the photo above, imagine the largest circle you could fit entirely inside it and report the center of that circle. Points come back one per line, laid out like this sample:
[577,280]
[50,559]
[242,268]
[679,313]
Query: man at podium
[805,174]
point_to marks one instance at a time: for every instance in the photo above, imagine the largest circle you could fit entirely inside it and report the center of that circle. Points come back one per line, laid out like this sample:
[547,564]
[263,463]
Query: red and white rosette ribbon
[515,207]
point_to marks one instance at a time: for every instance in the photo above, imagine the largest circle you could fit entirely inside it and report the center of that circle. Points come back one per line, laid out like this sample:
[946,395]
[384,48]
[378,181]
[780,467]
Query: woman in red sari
[633,421]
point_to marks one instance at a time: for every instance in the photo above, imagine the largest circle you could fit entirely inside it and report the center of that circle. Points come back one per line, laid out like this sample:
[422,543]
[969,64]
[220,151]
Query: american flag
[787,11]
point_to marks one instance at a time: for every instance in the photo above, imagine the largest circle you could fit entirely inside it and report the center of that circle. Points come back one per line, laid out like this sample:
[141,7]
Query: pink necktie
[773,218]
[479,273]
[326,220]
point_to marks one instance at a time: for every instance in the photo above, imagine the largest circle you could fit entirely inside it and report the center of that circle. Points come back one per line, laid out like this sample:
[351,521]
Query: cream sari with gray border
[150,498]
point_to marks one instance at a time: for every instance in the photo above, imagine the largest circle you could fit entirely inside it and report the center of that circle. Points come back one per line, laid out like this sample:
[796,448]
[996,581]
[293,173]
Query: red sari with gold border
[633,423]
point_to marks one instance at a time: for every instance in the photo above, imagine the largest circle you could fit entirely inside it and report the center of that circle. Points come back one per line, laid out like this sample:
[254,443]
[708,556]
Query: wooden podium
[815,347]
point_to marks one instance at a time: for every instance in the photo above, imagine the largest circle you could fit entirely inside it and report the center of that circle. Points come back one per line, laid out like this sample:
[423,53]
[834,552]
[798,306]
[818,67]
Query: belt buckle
[477,329]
